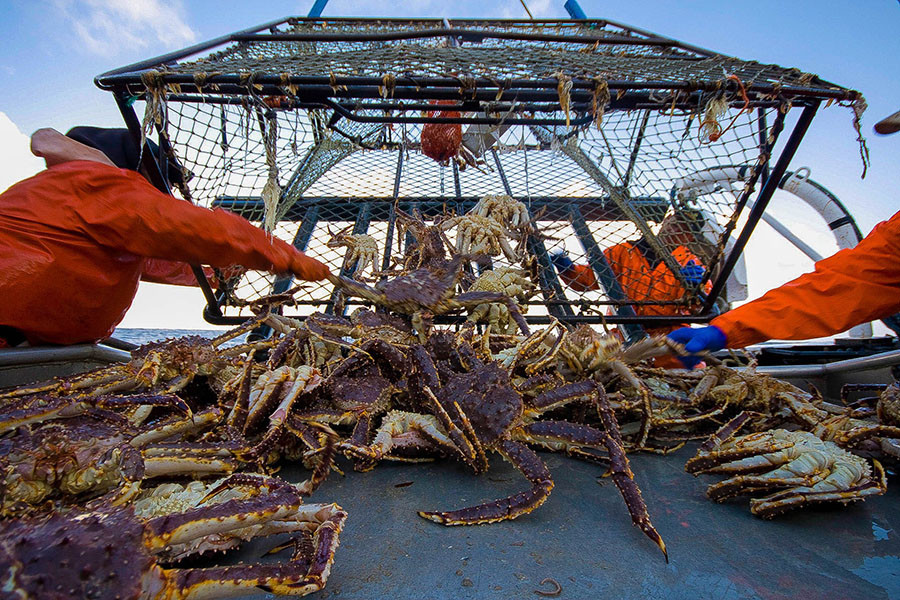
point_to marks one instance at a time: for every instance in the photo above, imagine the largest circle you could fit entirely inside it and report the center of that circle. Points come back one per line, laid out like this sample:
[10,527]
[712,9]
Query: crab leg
[237,416]
[179,426]
[395,430]
[281,503]
[530,465]
[850,438]
[623,477]
[706,457]
[756,451]
[807,468]
[481,457]
[837,487]
[306,573]
[552,353]
[705,385]
[65,407]
[185,459]
[562,395]
[463,445]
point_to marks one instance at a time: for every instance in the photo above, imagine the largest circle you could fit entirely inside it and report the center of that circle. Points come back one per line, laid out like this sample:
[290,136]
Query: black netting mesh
[330,183]
[634,181]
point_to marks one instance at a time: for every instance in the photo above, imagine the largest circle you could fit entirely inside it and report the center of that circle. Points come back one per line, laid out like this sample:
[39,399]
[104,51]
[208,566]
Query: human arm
[120,209]
[55,148]
[580,278]
[851,287]
[173,272]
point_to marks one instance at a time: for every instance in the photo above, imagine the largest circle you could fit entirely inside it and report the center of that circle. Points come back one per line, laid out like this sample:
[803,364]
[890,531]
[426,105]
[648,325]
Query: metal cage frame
[358,98]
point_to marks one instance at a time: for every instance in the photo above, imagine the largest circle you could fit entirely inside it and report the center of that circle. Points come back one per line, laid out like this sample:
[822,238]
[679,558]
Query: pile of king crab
[109,479]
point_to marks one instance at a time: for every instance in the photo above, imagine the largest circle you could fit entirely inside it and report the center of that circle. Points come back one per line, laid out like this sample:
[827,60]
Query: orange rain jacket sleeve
[124,211]
[642,282]
[75,239]
[171,272]
[851,287]
[580,278]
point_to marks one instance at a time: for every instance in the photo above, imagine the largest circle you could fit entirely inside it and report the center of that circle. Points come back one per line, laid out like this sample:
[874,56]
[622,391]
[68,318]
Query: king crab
[70,460]
[112,554]
[798,466]
[164,367]
[362,250]
[478,411]
[425,293]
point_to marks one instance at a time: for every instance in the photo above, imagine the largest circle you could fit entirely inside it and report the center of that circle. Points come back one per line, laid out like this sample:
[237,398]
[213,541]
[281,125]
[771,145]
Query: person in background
[853,286]
[76,239]
[643,275]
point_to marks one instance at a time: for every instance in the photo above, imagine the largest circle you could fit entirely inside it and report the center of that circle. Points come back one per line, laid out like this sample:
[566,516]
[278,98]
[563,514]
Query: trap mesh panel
[605,133]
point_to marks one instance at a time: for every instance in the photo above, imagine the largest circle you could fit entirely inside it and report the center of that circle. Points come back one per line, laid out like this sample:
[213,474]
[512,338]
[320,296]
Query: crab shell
[487,399]
[74,459]
[112,554]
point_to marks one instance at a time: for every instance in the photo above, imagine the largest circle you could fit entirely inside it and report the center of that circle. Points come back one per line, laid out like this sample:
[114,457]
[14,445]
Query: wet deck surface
[582,538]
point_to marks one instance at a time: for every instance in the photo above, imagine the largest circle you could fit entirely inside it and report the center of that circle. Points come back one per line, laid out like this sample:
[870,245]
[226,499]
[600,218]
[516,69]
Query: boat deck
[583,539]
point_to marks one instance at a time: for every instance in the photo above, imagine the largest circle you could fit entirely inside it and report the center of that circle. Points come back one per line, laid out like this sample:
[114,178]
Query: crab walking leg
[233,514]
[469,431]
[44,409]
[703,458]
[237,416]
[756,451]
[846,484]
[705,385]
[183,459]
[623,477]
[658,422]
[178,426]
[462,444]
[562,395]
[300,577]
[530,465]
[552,353]
[807,469]
[857,434]
[517,316]
[325,459]
[395,428]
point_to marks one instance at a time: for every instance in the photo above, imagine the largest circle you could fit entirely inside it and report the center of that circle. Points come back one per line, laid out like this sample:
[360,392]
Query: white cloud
[16,160]
[106,26]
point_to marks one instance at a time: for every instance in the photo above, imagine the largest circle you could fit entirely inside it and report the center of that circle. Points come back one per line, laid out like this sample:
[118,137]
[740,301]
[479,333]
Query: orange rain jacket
[850,287]
[76,238]
[643,282]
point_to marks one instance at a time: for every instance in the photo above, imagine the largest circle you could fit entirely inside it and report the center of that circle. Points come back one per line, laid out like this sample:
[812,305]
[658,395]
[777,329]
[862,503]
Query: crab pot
[311,126]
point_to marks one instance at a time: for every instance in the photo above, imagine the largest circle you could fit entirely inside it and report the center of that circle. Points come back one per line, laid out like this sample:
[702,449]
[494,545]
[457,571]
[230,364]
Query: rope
[525,6]
[271,192]
[599,100]
[859,106]
[716,108]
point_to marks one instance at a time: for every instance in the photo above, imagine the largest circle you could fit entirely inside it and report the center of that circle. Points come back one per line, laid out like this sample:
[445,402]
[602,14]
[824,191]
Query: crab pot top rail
[601,130]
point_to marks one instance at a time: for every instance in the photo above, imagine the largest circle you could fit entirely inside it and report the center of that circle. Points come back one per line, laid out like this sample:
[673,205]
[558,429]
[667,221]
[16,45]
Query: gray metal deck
[583,539]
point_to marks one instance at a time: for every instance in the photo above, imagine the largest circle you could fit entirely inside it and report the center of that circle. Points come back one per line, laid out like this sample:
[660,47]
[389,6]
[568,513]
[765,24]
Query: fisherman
[853,286]
[76,238]
[641,273]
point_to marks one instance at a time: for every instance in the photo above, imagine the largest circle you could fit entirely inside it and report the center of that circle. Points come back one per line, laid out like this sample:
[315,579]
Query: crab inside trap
[316,128]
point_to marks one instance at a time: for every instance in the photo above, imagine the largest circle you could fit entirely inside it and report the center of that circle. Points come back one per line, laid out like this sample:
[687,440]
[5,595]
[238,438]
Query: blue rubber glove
[693,273]
[561,261]
[696,340]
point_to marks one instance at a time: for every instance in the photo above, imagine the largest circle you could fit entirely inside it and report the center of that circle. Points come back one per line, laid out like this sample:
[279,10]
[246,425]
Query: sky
[50,51]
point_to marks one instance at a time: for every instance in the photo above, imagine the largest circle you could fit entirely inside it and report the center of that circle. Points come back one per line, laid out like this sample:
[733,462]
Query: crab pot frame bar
[600,129]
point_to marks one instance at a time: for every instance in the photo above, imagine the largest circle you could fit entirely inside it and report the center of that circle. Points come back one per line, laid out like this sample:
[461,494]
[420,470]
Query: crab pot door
[324,129]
